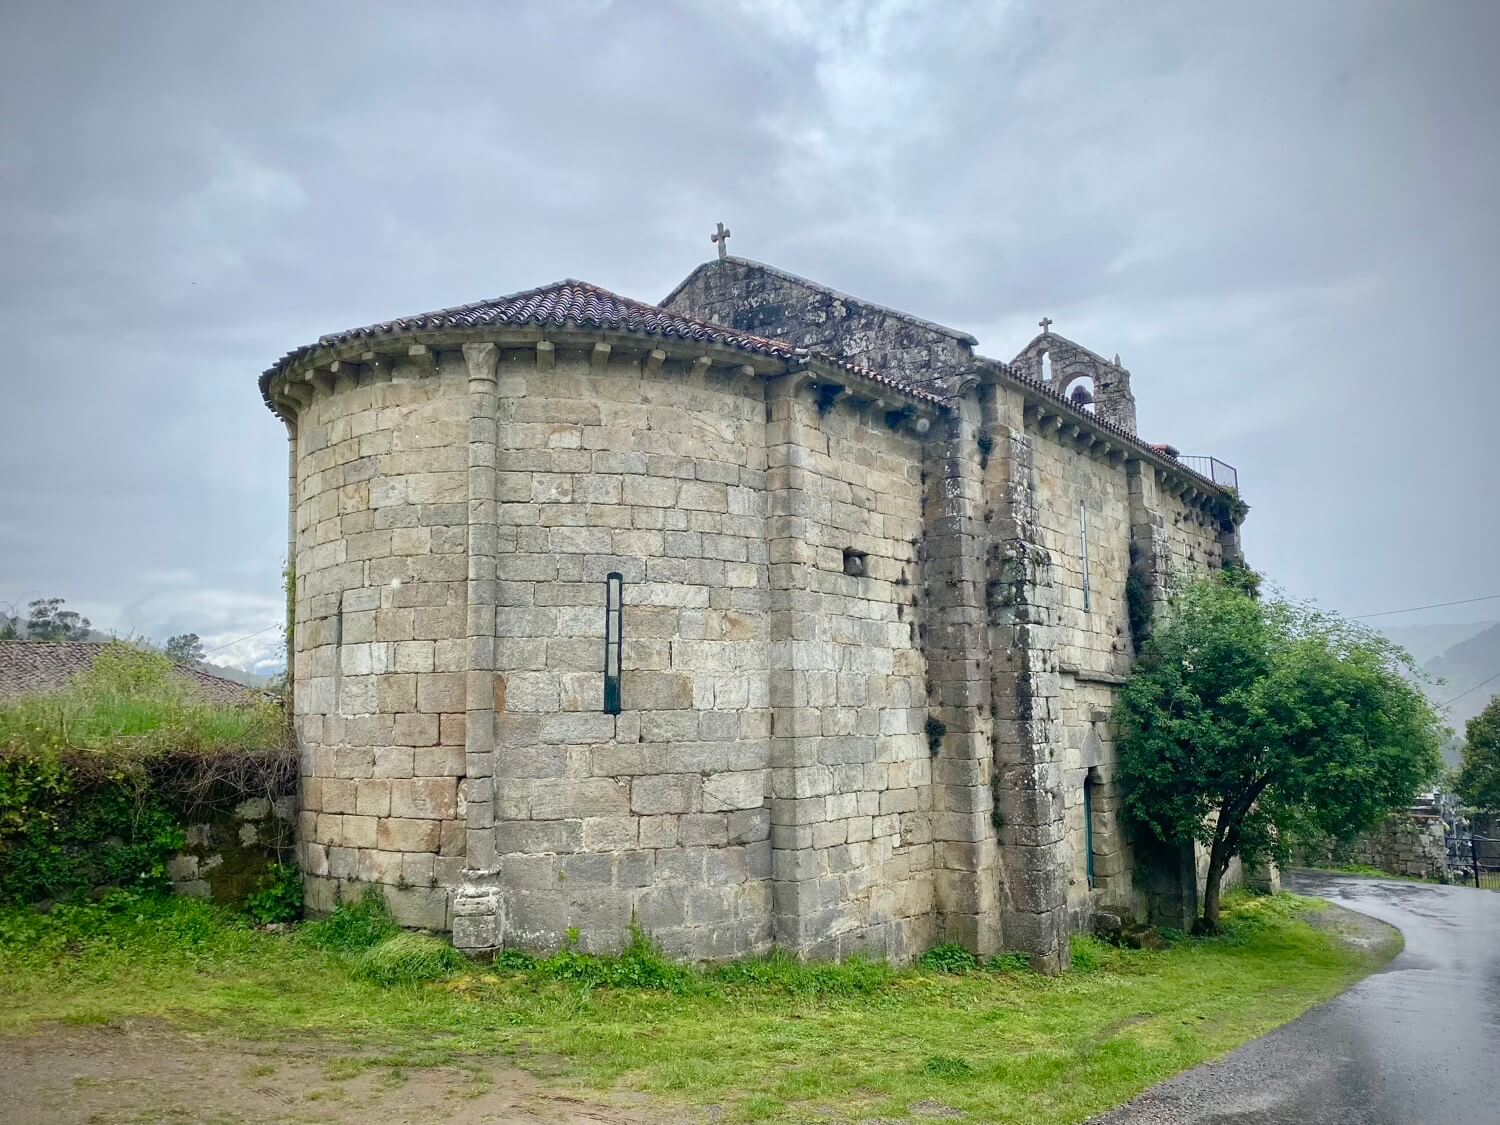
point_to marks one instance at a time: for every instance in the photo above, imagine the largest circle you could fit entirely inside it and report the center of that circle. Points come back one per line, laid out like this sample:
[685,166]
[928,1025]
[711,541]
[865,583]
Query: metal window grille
[1088,827]
[1083,531]
[614,598]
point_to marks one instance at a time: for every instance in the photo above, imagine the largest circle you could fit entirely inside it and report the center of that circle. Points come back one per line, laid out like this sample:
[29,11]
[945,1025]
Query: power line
[257,633]
[1435,605]
[1466,691]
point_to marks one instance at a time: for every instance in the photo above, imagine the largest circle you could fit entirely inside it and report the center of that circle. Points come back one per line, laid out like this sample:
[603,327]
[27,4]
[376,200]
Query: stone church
[763,616]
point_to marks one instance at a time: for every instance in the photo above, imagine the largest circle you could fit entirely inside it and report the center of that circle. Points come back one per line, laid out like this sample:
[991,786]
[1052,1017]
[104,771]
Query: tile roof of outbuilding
[578,304]
[44,667]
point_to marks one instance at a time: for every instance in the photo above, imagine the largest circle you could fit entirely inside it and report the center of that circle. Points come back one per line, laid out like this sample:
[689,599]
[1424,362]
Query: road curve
[1417,1042]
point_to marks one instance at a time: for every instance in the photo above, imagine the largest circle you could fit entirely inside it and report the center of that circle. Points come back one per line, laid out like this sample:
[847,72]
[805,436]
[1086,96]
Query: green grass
[767,1039]
[131,706]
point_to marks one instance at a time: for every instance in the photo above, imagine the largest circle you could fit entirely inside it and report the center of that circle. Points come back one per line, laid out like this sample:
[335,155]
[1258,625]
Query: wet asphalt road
[1416,1043]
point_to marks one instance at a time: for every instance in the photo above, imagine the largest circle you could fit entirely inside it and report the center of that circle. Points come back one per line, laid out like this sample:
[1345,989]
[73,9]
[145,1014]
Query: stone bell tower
[1084,378]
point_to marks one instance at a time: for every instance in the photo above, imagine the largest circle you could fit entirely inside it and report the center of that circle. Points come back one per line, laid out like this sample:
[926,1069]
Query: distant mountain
[238,675]
[1465,666]
[1425,642]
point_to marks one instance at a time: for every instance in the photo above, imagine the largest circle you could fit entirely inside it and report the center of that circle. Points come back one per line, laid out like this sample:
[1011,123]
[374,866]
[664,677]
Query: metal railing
[1225,476]
[1474,859]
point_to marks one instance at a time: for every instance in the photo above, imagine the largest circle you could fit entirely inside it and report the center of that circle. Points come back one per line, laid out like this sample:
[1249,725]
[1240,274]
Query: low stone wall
[229,856]
[1405,843]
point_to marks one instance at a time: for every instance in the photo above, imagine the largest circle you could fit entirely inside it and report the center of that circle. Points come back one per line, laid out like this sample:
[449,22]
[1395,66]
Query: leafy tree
[50,622]
[8,630]
[1479,773]
[185,648]
[1247,723]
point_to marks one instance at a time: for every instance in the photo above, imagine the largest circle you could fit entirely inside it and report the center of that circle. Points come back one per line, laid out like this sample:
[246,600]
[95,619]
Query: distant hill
[1464,666]
[238,675]
[1425,642]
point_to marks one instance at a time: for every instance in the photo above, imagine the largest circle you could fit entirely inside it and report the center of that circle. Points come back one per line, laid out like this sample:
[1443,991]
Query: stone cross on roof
[1045,323]
[722,238]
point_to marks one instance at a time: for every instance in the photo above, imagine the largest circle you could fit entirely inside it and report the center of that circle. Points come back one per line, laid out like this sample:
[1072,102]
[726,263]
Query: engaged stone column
[966,857]
[1148,548]
[799,784]
[477,922]
[1025,688]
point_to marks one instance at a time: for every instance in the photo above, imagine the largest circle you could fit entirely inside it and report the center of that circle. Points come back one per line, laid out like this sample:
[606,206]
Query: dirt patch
[139,1071]
[1359,932]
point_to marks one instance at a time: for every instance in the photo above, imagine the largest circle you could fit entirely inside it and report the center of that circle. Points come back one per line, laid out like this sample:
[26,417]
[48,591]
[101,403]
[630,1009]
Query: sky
[1282,216]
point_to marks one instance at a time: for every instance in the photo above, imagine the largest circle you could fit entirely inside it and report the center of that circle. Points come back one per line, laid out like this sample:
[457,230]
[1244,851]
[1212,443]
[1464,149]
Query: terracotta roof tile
[577,304]
[44,667]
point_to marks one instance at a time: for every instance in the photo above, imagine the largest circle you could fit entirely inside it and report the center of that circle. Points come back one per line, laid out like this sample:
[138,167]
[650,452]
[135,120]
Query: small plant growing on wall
[1138,610]
[828,394]
[935,729]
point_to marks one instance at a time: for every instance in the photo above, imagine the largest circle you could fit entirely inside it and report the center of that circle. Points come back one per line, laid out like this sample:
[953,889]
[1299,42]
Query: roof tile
[572,303]
[45,667]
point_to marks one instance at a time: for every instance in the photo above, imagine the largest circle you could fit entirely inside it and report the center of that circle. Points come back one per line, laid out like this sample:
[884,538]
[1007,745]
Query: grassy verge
[764,1040]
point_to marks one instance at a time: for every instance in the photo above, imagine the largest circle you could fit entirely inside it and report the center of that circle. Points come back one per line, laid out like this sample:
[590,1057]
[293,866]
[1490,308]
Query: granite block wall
[659,815]
[862,696]
[379,663]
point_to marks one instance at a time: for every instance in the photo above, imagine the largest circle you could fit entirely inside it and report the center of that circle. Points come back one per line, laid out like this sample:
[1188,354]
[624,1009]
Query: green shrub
[640,965]
[857,976]
[407,958]
[95,780]
[1009,963]
[280,898]
[353,927]
[949,957]
[515,960]
[1086,954]
[63,833]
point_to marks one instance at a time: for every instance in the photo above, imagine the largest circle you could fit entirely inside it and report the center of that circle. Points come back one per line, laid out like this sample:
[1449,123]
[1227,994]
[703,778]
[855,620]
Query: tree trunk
[1209,923]
[1218,862]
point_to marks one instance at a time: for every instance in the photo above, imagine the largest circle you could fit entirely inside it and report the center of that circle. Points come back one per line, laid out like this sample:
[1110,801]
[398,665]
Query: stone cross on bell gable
[1045,323]
[722,238]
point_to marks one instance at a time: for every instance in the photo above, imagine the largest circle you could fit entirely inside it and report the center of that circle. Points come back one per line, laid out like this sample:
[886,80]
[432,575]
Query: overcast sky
[1283,216]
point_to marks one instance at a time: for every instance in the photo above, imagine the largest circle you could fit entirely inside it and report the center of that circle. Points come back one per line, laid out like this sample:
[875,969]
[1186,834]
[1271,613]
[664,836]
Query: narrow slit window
[1088,827]
[614,598]
[1083,532]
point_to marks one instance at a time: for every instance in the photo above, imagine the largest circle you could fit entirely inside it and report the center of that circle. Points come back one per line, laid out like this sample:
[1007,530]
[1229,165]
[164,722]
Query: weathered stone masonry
[863,693]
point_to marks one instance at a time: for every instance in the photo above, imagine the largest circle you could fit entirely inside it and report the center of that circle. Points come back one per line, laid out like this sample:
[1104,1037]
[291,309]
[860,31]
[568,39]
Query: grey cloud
[1280,215]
